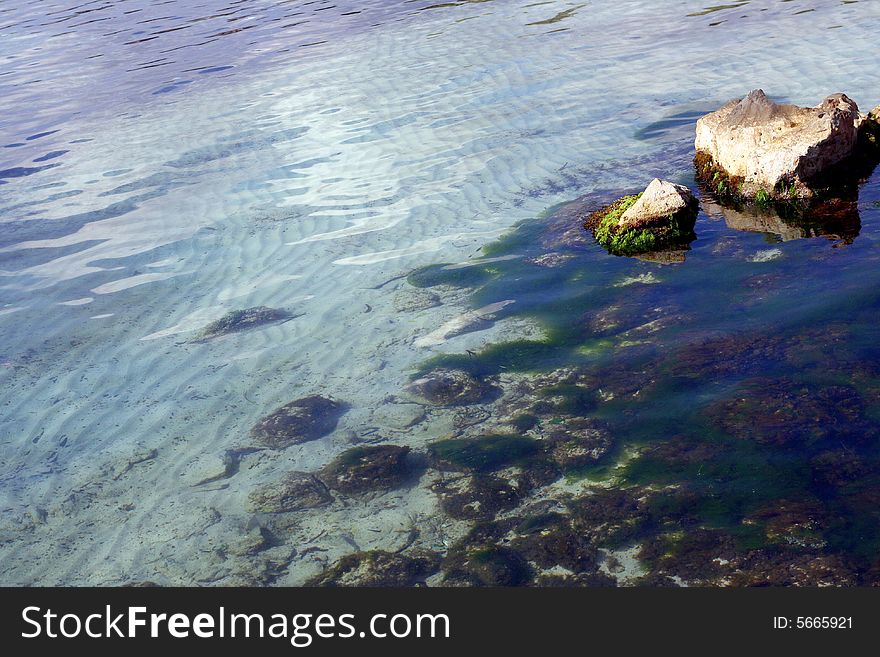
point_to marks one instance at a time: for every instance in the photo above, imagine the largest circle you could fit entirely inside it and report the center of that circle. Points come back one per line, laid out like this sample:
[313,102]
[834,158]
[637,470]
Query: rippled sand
[163,165]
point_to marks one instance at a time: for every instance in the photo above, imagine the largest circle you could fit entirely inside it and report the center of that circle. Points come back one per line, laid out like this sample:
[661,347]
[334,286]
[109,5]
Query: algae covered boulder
[379,568]
[486,565]
[449,387]
[368,468]
[791,414]
[486,453]
[481,496]
[659,218]
[755,149]
[577,442]
[299,421]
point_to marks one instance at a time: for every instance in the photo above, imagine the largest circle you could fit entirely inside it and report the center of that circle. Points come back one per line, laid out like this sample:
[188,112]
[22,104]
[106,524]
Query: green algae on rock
[558,544]
[661,217]
[481,496]
[489,565]
[299,421]
[577,442]
[482,454]
[379,568]
[368,468]
[540,547]
[789,413]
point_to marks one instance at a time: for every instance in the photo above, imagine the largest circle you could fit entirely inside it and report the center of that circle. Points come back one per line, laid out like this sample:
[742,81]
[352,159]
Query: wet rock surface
[660,201]
[299,421]
[367,469]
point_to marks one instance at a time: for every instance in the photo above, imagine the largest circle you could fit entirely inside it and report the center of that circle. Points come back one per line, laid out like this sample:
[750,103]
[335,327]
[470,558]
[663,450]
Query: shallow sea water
[164,164]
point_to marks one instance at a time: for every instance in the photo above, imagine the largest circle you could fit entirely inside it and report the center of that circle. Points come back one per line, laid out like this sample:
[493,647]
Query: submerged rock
[793,568]
[799,523]
[558,544]
[791,414]
[242,320]
[609,517]
[754,148]
[513,551]
[481,497]
[661,217]
[577,442]
[297,491]
[486,566]
[378,568]
[841,468]
[552,259]
[445,387]
[699,556]
[299,421]
[582,580]
[483,453]
[368,468]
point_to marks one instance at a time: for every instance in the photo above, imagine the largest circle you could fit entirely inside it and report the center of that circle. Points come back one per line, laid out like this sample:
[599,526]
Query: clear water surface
[164,163]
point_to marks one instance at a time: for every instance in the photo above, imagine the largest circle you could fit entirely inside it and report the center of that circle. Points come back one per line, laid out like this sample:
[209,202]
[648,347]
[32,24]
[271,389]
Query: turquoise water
[163,165]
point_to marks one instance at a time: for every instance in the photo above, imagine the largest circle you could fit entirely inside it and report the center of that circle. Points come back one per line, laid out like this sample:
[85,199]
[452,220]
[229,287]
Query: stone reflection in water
[836,219]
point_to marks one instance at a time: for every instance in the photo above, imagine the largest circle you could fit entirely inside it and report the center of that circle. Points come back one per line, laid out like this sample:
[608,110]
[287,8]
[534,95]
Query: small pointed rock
[660,200]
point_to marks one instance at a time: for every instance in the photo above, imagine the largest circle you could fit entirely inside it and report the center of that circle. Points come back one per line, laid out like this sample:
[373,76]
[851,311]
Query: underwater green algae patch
[484,453]
[448,274]
[513,356]
[721,416]
[714,480]
[791,414]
